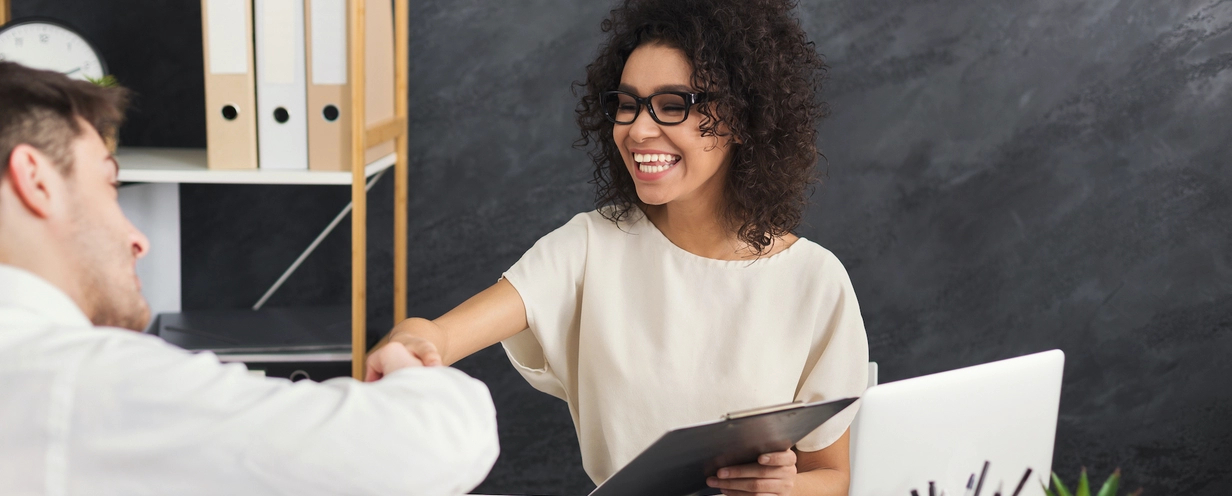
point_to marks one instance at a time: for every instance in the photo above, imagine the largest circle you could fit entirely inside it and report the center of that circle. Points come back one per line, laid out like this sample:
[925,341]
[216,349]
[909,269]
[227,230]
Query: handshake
[402,349]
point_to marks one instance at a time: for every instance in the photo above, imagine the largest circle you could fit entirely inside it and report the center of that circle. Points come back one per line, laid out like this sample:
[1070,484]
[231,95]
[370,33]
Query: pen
[932,488]
[970,484]
[983,473]
[1022,482]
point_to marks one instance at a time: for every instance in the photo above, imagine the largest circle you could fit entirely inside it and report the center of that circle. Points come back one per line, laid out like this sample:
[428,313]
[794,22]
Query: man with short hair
[87,406]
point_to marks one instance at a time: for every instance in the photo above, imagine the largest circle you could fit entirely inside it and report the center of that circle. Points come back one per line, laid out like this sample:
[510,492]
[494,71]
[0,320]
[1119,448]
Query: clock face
[46,45]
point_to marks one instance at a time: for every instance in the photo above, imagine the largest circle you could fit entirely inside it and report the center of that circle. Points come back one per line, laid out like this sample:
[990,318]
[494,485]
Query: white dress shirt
[94,410]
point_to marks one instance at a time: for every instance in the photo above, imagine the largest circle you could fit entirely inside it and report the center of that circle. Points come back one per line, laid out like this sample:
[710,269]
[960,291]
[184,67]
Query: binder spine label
[228,30]
[329,42]
[278,42]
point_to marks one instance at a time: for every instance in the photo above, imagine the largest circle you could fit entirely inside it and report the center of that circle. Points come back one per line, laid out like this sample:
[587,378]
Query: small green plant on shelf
[1084,486]
[105,81]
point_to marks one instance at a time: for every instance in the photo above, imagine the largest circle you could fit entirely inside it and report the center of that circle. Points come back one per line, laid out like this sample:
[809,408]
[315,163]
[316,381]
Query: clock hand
[70,73]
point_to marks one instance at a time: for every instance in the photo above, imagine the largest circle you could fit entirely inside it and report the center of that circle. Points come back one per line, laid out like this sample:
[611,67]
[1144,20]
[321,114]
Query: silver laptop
[943,427]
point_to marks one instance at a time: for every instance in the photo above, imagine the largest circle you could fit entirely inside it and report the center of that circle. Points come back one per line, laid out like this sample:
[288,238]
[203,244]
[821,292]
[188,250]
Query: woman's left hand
[774,473]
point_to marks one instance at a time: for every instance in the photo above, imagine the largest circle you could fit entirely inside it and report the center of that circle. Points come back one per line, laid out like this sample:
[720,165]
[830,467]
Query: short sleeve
[549,279]
[837,366]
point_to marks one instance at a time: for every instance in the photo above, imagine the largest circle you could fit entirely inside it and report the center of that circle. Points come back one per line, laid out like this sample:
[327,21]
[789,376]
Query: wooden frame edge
[359,195]
[385,131]
[401,167]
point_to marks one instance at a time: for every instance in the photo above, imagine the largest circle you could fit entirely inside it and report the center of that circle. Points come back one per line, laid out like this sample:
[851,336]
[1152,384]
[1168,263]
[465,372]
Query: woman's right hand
[481,321]
[419,348]
[387,360]
[404,347]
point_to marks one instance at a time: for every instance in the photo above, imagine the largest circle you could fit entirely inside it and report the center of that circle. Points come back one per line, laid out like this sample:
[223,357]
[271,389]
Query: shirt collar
[22,289]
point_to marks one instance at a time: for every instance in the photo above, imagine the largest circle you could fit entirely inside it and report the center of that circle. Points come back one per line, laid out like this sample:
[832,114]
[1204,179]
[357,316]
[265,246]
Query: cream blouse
[640,336]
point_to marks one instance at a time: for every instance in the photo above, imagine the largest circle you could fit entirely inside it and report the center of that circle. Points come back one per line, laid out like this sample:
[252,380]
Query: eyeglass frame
[690,99]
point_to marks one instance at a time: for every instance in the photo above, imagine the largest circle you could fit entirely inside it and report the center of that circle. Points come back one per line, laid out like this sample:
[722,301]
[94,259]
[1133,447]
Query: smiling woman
[762,90]
[684,295]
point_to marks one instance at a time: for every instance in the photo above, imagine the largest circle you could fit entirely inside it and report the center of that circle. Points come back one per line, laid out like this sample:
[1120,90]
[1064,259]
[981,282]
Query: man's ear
[28,173]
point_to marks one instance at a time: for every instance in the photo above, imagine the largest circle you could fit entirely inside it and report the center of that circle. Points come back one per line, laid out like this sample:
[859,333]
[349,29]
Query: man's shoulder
[94,335]
[28,333]
[77,347]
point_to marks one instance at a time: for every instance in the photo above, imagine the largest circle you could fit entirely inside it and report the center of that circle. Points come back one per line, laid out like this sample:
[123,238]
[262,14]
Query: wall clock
[44,43]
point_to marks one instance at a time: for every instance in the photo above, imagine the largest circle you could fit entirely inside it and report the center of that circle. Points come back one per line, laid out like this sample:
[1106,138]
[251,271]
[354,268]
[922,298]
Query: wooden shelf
[188,165]
[172,165]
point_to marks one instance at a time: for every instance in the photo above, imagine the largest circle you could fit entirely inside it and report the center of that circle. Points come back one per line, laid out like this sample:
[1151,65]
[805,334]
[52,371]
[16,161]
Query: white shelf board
[188,165]
[284,357]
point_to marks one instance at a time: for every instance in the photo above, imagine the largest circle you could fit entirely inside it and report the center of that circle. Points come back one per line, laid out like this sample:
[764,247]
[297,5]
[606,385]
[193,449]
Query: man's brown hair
[40,109]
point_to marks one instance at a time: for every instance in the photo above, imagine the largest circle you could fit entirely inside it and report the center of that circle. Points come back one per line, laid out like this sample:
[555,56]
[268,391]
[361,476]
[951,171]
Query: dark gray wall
[1004,177]
[1012,176]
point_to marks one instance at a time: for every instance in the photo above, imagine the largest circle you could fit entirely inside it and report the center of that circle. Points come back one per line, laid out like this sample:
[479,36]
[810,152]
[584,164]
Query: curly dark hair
[764,80]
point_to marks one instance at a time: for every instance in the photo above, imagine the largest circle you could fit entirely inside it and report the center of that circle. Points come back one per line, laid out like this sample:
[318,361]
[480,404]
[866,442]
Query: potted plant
[1084,486]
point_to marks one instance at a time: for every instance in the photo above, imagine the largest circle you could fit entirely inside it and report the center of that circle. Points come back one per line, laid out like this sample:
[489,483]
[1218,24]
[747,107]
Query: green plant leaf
[1046,491]
[105,81]
[1060,486]
[1084,484]
[1111,485]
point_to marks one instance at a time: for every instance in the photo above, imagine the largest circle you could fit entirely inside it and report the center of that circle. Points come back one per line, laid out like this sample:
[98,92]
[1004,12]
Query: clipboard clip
[760,410]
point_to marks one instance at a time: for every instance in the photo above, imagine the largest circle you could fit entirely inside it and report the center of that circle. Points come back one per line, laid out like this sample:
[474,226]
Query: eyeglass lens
[668,108]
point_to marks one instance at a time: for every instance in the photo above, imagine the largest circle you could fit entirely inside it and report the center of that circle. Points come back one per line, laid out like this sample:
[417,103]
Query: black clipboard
[679,462]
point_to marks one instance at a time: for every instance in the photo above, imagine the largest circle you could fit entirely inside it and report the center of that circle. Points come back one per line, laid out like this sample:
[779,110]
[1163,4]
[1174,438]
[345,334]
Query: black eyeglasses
[667,108]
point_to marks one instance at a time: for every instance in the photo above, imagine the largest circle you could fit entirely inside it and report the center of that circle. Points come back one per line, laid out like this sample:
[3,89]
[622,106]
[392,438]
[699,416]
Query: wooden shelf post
[359,196]
[361,137]
[5,12]
[401,174]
